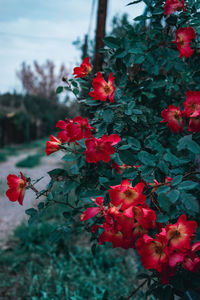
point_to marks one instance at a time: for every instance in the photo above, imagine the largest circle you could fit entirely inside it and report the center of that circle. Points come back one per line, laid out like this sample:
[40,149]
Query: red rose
[74,130]
[53,145]
[183,39]
[103,89]
[126,196]
[17,187]
[173,116]
[84,69]
[101,149]
[172,6]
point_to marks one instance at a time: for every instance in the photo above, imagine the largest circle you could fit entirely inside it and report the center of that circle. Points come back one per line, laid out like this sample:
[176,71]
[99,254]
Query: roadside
[11,213]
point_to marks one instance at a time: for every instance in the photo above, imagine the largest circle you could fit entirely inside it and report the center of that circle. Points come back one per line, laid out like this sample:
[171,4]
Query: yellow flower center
[22,184]
[107,89]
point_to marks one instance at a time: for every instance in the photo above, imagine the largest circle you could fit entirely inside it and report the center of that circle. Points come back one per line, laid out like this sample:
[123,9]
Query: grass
[7,151]
[30,161]
[2,157]
[35,268]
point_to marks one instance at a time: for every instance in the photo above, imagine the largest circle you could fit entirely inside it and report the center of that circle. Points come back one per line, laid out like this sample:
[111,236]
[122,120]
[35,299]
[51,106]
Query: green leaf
[74,83]
[171,158]
[69,185]
[59,89]
[120,53]
[164,202]
[141,18]
[130,174]
[134,2]
[176,180]
[111,42]
[57,172]
[136,50]
[134,143]
[162,218]
[126,156]
[31,211]
[188,185]
[75,91]
[108,115]
[74,169]
[147,158]
[70,157]
[91,193]
[173,195]
[139,59]
[41,205]
[190,203]
[137,111]
[66,214]
[163,167]
[163,189]
[146,170]
[103,180]
[50,196]
[158,84]
[124,147]
[186,142]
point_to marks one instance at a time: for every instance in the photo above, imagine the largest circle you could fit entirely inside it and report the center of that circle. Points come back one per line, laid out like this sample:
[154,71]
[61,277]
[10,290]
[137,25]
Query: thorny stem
[136,290]
[65,203]
[31,186]
[191,173]
[154,203]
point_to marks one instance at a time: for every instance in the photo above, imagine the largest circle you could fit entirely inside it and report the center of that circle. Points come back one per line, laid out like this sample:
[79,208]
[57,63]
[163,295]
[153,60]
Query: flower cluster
[125,218]
[101,89]
[74,130]
[171,247]
[78,129]
[174,116]
[183,35]
[101,149]
[126,222]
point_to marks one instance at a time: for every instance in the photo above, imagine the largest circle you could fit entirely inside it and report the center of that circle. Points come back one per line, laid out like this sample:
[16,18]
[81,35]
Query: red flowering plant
[131,169]
[173,5]
[84,69]
[17,187]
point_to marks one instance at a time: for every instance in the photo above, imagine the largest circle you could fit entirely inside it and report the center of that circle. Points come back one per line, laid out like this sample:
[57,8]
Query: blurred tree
[41,80]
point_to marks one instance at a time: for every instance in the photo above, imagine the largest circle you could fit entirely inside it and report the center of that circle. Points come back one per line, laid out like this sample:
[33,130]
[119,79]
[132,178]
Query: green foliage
[25,118]
[39,264]
[30,161]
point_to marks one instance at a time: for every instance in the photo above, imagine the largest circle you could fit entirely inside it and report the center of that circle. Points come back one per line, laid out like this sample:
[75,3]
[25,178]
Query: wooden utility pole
[100,33]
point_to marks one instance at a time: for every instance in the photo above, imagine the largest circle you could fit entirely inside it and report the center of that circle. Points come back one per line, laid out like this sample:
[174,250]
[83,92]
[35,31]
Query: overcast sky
[45,29]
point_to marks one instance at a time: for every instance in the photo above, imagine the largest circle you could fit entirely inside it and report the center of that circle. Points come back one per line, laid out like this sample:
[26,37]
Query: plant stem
[136,290]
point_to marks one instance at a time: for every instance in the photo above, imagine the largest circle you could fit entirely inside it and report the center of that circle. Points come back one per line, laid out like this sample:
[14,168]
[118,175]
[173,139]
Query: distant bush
[30,161]
[26,118]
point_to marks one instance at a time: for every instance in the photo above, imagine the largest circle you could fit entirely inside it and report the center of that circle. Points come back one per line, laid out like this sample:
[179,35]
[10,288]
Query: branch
[136,290]
[191,173]
[67,204]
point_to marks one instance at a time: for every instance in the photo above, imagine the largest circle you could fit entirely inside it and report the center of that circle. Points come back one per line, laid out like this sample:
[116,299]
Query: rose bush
[142,176]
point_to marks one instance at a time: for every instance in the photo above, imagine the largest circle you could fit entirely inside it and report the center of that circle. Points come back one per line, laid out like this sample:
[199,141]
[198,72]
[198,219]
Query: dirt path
[11,213]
